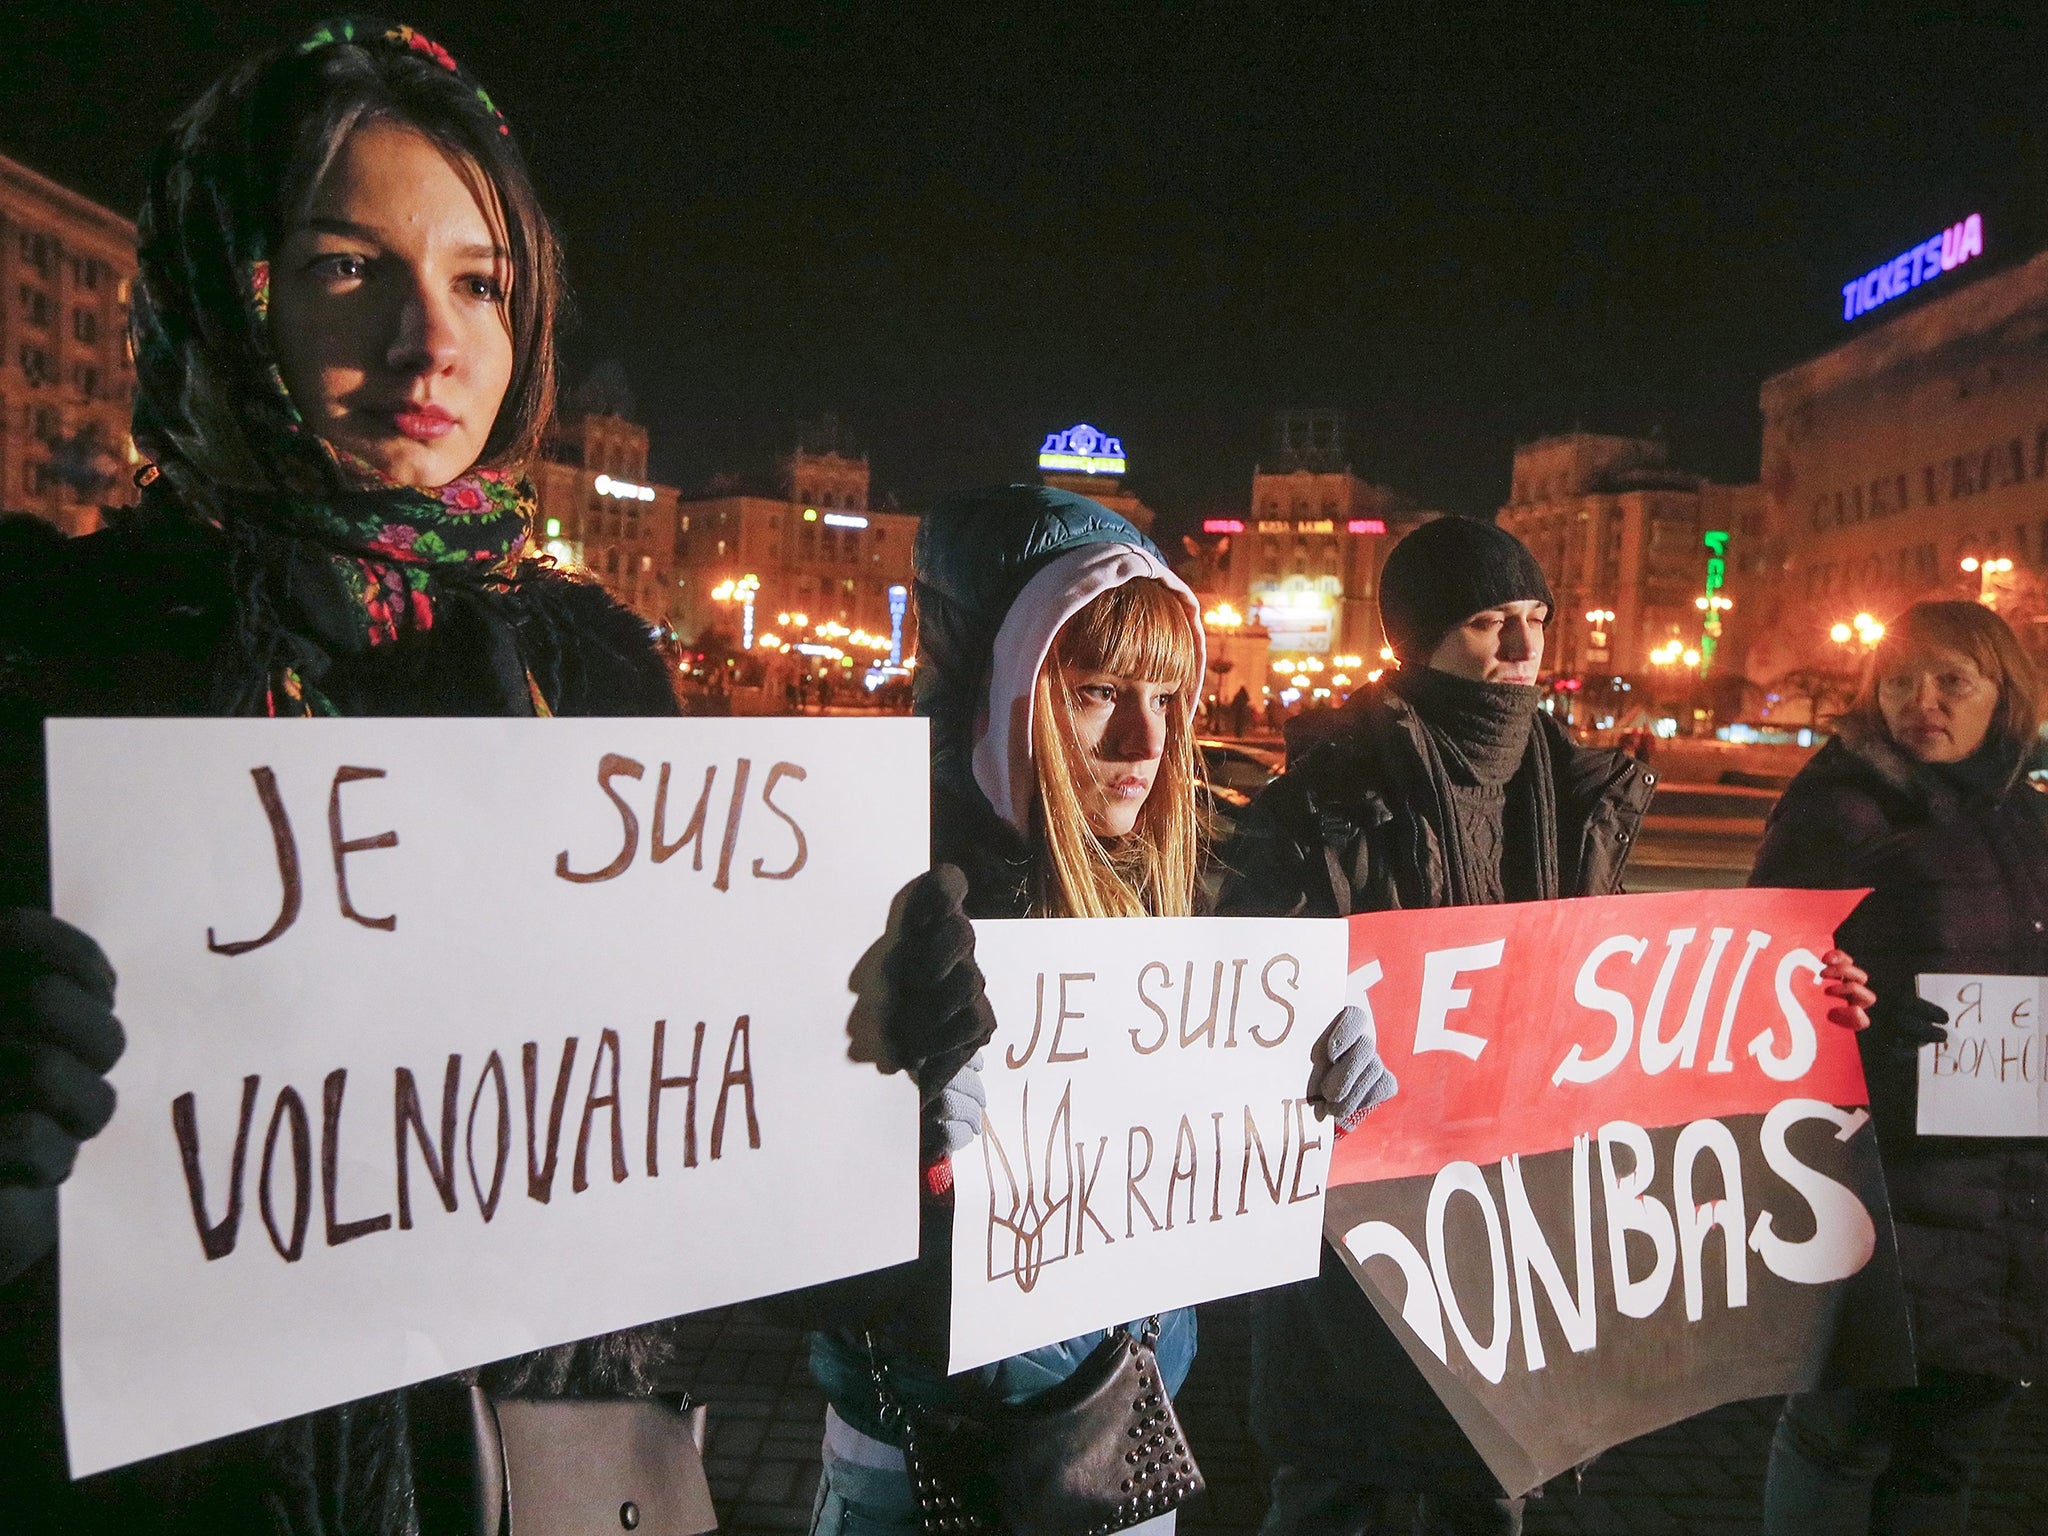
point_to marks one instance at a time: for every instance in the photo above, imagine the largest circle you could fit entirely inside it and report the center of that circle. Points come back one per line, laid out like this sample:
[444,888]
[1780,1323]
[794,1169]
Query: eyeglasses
[1951,685]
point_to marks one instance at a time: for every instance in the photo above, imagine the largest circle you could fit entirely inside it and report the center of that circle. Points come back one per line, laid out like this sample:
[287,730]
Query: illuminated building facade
[1091,463]
[1622,536]
[818,553]
[1891,460]
[67,267]
[599,510]
[1303,564]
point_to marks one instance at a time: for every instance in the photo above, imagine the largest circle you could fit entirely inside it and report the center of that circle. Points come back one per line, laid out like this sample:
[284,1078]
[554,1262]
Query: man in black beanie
[1445,787]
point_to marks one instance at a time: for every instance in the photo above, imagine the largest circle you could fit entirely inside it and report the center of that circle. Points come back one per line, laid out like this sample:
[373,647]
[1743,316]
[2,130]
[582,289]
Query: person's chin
[403,460]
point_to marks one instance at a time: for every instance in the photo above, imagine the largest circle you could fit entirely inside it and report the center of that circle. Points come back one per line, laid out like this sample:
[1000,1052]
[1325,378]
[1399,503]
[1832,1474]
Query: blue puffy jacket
[974,554]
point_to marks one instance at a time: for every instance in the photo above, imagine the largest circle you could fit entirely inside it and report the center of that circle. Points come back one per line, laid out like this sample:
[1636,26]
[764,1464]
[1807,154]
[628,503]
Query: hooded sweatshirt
[998,573]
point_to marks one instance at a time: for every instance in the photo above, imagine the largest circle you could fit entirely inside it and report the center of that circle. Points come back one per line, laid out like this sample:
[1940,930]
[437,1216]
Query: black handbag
[1100,1452]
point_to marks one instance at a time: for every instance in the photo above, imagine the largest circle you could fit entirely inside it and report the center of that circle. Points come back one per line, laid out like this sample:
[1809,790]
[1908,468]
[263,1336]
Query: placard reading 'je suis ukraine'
[452,1039]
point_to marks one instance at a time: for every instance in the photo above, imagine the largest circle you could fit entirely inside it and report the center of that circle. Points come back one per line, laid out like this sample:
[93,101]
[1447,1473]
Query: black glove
[58,1038]
[936,1016]
[1905,1022]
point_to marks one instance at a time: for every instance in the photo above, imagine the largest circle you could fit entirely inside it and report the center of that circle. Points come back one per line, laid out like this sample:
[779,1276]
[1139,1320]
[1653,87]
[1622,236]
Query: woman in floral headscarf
[343,332]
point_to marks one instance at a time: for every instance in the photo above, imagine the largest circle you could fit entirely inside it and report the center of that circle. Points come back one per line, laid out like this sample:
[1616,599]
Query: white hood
[1003,758]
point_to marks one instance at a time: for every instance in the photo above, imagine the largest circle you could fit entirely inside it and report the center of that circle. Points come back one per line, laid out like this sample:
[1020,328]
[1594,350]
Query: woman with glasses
[1923,796]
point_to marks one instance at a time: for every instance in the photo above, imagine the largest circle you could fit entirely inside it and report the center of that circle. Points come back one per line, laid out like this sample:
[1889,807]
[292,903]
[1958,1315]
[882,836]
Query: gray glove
[1348,1080]
[953,1119]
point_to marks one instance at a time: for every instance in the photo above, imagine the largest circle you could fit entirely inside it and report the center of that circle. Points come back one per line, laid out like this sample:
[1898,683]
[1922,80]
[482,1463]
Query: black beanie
[1446,571]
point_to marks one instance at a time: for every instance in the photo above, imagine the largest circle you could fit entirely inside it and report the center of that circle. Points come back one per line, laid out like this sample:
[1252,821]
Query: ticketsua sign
[455,1039]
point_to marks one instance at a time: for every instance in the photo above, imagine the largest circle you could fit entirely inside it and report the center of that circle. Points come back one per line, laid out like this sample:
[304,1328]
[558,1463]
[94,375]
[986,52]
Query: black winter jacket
[137,621]
[1959,885]
[1343,830]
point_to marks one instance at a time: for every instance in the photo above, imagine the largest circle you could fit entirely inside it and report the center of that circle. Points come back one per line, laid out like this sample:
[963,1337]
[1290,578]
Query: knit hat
[1446,571]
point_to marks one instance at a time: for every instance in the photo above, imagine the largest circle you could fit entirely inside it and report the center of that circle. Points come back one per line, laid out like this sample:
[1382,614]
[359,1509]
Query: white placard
[1148,1143]
[1987,1078]
[508,942]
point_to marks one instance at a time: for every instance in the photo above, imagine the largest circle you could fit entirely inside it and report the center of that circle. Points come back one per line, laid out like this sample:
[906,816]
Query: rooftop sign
[1081,449]
[1938,253]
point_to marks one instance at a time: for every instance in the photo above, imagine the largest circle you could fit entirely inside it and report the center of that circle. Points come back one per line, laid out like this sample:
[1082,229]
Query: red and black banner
[1629,1175]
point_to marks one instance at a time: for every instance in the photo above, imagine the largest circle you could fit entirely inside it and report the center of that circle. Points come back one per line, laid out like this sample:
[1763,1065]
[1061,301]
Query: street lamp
[1862,631]
[1224,617]
[741,591]
[1984,570]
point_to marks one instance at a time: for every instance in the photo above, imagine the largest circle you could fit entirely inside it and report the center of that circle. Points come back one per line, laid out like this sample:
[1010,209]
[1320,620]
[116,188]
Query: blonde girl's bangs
[1140,629]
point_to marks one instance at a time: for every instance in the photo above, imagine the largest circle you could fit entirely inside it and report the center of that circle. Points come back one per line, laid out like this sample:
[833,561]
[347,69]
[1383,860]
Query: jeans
[1896,1461]
[1309,1503]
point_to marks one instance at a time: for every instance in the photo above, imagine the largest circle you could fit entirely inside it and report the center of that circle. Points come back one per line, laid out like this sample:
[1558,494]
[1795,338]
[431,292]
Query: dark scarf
[1482,749]
[328,556]
[1982,778]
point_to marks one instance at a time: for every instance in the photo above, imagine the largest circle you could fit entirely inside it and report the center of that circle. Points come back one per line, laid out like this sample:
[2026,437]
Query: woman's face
[387,309]
[1120,724]
[1936,703]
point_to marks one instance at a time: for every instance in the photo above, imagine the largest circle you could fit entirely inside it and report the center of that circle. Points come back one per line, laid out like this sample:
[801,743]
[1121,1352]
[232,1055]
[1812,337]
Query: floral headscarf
[223,433]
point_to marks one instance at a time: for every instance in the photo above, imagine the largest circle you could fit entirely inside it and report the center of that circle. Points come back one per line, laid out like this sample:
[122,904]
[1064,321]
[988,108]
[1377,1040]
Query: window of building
[611,562]
[36,477]
[39,252]
[85,379]
[85,325]
[35,362]
[35,306]
[647,562]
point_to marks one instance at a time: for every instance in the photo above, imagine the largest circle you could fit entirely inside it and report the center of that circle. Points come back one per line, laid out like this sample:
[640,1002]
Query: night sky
[960,227]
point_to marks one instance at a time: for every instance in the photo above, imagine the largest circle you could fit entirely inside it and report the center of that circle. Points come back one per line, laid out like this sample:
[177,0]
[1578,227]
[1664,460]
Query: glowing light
[1938,253]
[1223,525]
[1970,563]
[1366,525]
[845,520]
[899,604]
[1300,680]
[1691,658]
[1839,634]
[810,514]
[1082,448]
[554,527]
[1340,680]
[1386,653]
[1223,616]
[769,642]
[624,490]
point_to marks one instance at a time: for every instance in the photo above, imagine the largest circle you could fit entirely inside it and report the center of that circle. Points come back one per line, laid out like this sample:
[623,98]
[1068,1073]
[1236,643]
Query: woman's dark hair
[1972,630]
[239,171]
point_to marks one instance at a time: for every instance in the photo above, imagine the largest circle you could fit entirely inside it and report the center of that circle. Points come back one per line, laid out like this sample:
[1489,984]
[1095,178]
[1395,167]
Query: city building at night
[598,508]
[1626,540]
[807,560]
[67,267]
[1303,563]
[1297,576]
[1909,462]
[1092,463]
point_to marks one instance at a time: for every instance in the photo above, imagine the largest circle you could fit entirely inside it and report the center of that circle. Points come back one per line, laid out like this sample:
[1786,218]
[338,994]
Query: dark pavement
[1703,1477]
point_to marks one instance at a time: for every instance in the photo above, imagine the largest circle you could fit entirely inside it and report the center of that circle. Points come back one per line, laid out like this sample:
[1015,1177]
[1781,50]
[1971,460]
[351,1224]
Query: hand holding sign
[1149,1141]
[1629,1132]
[455,1039]
[58,1037]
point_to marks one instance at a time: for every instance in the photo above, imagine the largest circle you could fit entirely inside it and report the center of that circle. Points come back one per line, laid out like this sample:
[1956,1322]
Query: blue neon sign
[1938,253]
[1081,448]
